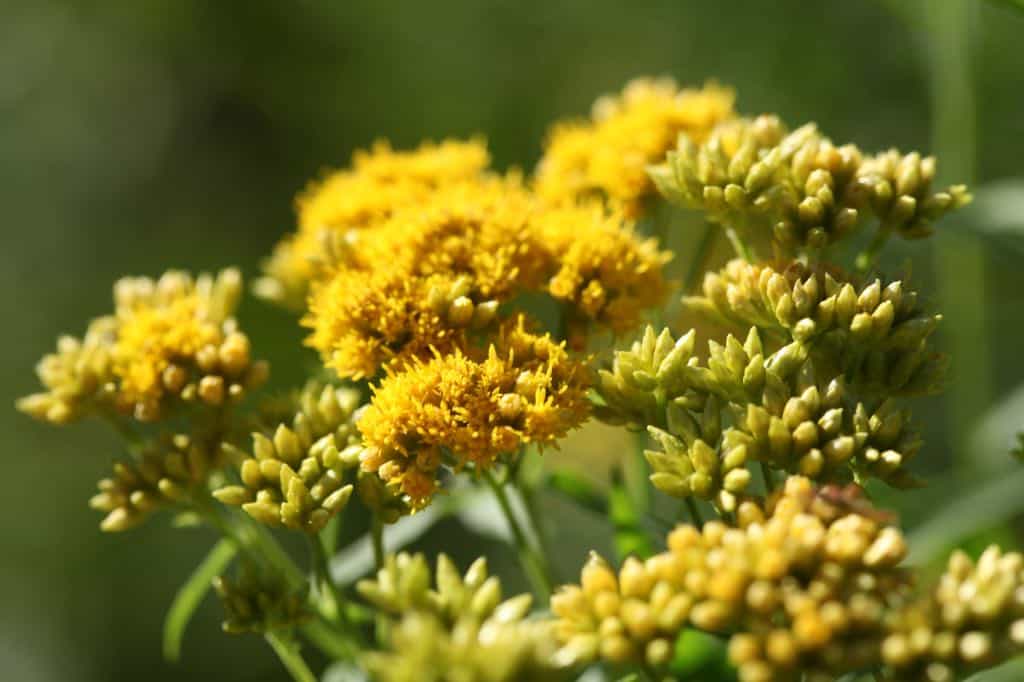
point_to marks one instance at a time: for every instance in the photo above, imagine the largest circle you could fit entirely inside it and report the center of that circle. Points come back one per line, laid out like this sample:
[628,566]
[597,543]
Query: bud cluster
[454,626]
[973,619]
[799,186]
[875,334]
[803,587]
[252,604]
[296,478]
[164,474]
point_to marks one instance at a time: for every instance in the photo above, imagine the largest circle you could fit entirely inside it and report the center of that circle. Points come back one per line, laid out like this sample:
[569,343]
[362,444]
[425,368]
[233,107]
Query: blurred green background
[136,136]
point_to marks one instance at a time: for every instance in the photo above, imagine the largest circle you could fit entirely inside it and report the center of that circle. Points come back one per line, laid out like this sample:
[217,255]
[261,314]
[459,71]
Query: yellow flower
[332,211]
[525,390]
[609,153]
[173,337]
[176,337]
[421,279]
[604,269]
[77,378]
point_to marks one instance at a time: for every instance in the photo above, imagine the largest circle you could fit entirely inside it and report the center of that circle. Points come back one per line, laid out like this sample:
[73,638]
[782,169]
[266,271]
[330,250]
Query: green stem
[533,564]
[288,653]
[695,515]
[377,535]
[321,635]
[533,518]
[332,603]
[867,258]
[699,263]
[769,480]
[738,245]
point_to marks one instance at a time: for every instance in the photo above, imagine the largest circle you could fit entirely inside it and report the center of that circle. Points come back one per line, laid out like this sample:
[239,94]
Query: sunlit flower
[526,389]
[608,154]
[603,269]
[332,211]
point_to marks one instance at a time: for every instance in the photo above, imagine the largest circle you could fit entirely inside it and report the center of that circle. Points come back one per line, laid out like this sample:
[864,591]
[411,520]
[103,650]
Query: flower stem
[738,245]
[769,480]
[377,535]
[288,653]
[533,565]
[695,515]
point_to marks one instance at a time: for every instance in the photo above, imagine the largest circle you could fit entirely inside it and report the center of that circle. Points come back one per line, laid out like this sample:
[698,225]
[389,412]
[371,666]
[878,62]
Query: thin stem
[866,259]
[769,480]
[695,515]
[321,635]
[699,262]
[533,564]
[290,657]
[738,245]
[331,601]
[533,518]
[377,535]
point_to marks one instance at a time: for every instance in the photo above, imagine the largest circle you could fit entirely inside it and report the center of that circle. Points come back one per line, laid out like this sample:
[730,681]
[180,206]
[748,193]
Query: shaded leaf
[191,594]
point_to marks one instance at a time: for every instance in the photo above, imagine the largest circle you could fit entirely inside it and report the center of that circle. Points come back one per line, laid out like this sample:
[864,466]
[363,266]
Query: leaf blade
[191,594]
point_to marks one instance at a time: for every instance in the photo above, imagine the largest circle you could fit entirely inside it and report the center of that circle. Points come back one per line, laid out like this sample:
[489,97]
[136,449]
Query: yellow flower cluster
[526,389]
[173,338]
[331,212]
[605,271]
[426,277]
[802,587]
[608,154]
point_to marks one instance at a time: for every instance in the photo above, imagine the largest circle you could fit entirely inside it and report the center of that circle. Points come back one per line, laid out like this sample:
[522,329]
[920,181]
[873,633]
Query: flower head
[602,268]
[333,211]
[609,153]
[427,276]
[526,389]
[173,338]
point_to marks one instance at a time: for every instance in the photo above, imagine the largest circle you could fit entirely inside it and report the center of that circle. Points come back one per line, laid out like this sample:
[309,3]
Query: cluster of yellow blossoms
[525,390]
[170,339]
[415,273]
[608,154]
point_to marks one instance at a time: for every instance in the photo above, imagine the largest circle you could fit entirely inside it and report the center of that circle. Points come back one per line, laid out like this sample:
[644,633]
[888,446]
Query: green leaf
[579,490]
[630,537]
[1012,4]
[979,509]
[191,595]
[701,656]
[997,209]
[1008,672]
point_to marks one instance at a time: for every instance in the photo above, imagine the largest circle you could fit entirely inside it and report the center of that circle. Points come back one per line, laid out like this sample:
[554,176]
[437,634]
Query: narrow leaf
[979,509]
[191,595]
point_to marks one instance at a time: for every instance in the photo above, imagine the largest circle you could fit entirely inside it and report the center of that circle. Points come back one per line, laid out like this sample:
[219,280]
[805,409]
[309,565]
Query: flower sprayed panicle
[608,154]
[166,473]
[526,389]
[457,628]
[332,212]
[297,477]
[170,339]
[803,587]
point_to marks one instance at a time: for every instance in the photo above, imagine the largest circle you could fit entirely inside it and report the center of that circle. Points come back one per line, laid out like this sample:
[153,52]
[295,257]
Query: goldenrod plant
[466,320]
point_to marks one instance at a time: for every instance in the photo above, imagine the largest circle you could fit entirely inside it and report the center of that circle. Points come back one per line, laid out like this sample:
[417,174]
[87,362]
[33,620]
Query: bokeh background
[136,136]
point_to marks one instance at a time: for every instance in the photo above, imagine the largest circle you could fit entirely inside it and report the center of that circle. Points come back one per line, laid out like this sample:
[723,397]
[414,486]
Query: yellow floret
[332,211]
[525,390]
[609,153]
